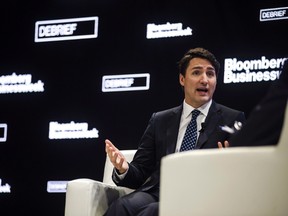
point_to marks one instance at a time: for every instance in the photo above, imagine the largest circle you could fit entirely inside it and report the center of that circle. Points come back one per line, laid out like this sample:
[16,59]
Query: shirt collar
[187,109]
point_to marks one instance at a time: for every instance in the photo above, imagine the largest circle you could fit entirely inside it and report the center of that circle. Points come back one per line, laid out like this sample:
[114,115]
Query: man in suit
[198,70]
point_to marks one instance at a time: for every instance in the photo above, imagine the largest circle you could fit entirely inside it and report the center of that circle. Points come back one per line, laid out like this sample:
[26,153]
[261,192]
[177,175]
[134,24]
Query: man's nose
[204,79]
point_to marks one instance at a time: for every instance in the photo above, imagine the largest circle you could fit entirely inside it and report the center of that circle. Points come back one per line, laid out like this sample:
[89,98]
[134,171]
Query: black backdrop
[72,73]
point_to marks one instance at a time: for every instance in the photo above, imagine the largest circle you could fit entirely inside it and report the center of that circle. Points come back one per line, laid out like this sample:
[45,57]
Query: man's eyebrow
[200,67]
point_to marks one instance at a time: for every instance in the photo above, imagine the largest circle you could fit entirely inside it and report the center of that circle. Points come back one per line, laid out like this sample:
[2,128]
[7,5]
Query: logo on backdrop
[126,82]
[256,70]
[66,29]
[71,130]
[3,132]
[21,83]
[167,30]
[273,14]
[56,186]
[4,188]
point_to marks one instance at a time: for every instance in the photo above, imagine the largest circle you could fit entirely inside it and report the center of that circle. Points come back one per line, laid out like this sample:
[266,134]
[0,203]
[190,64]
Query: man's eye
[211,74]
[195,72]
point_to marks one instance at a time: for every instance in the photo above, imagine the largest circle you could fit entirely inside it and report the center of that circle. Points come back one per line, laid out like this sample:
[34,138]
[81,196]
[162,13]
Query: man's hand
[226,145]
[116,158]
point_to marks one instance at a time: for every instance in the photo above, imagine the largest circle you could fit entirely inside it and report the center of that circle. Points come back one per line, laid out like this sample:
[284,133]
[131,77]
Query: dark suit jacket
[160,138]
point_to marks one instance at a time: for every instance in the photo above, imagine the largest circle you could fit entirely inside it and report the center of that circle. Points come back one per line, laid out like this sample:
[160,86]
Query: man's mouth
[204,90]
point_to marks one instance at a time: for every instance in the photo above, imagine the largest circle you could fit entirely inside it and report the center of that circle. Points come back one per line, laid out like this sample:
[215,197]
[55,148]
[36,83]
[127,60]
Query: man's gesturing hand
[116,158]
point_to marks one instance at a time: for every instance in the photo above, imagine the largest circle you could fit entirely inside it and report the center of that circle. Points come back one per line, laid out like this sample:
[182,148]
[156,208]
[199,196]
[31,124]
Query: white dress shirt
[186,118]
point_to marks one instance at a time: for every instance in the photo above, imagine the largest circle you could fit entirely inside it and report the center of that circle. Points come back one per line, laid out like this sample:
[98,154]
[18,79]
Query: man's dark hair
[197,53]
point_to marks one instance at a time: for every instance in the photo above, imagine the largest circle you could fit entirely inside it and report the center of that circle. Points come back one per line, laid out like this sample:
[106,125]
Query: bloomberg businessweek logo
[66,29]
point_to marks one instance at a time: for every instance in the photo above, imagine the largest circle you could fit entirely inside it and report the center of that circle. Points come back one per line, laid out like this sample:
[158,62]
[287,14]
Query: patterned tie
[190,137]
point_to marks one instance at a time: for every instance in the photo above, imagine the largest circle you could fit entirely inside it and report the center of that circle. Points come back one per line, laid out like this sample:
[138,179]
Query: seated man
[199,113]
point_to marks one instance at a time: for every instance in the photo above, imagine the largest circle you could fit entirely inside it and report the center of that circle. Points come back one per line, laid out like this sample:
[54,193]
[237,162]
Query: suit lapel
[211,122]
[173,123]
[172,130]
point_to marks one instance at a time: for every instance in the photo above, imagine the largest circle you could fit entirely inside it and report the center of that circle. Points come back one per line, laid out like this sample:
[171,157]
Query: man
[198,70]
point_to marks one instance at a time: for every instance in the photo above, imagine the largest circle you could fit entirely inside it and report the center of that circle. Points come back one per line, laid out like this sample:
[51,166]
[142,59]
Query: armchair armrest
[86,197]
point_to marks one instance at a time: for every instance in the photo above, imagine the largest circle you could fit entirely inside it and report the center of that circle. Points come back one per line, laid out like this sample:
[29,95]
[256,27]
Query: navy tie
[190,137]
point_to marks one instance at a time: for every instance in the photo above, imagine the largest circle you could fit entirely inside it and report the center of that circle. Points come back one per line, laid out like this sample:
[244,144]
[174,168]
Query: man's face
[199,82]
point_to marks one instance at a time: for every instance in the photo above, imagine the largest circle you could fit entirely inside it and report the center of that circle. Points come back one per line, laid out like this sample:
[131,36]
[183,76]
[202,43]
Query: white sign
[256,70]
[71,130]
[3,134]
[167,30]
[66,29]
[4,188]
[273,14]
[126,82]
[56,186]
[21,83]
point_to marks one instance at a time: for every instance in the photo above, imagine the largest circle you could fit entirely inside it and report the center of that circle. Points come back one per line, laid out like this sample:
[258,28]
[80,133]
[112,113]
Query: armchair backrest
[108,168]
[250,181]
[283,141]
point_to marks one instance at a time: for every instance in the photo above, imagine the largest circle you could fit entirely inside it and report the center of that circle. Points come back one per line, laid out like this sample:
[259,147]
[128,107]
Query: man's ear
[181,79]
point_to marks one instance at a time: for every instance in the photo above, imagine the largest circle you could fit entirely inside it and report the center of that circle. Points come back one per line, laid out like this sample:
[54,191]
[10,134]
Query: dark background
[72,72]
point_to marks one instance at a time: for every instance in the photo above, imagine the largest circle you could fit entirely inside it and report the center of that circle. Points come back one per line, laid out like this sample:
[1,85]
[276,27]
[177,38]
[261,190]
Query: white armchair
[235,181]
[87,197]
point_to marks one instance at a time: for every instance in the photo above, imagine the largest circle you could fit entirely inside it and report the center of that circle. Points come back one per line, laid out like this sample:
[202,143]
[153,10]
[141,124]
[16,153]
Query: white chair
[244,181]
[87,197]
